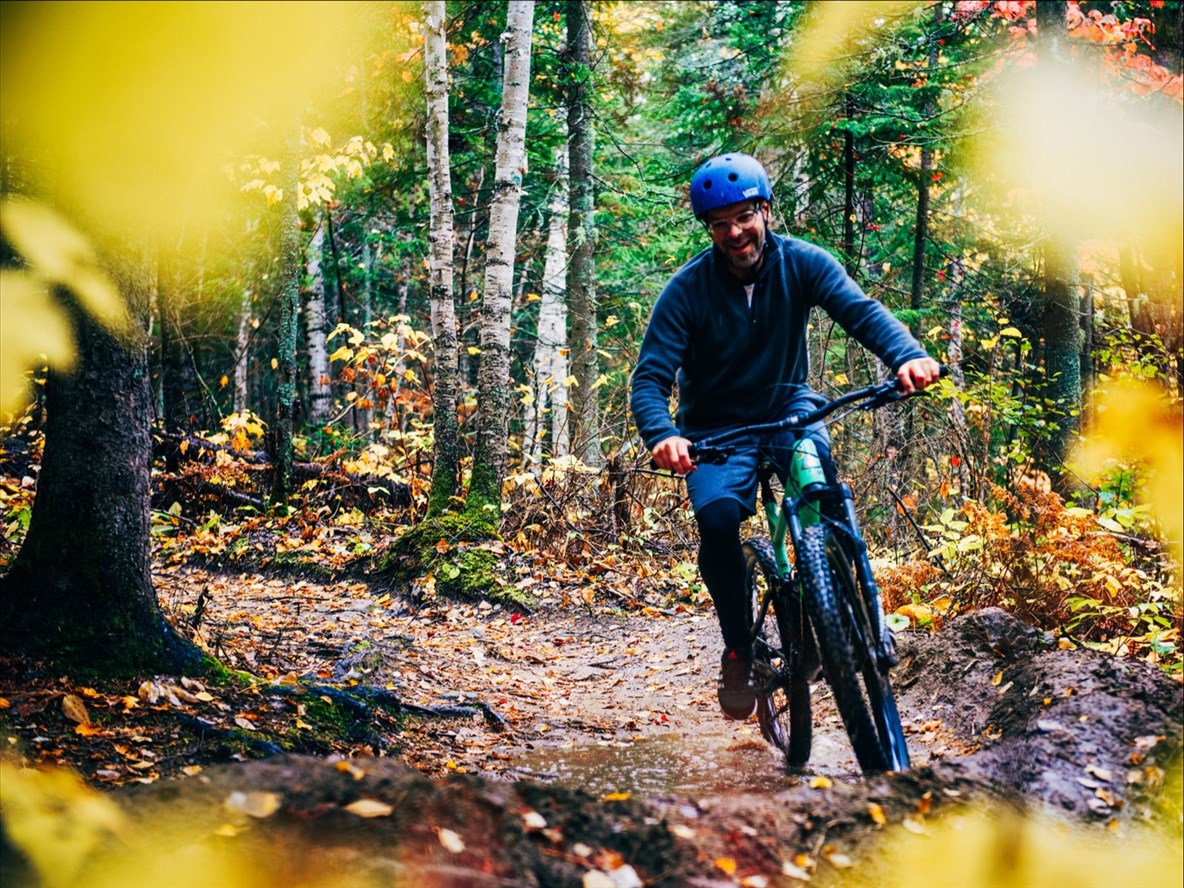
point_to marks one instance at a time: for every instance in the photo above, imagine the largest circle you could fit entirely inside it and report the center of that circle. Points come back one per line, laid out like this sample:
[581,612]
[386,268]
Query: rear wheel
[844,631]
[783,694]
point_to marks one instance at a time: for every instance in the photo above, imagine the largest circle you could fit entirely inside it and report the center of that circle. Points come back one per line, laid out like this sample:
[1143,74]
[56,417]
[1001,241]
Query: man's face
[739,231]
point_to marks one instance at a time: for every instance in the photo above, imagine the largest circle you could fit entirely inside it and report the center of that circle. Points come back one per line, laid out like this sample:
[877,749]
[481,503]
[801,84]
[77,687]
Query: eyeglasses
[724,226]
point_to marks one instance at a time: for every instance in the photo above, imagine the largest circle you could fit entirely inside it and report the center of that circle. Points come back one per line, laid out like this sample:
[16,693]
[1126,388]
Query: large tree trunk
[924,175]
[489,461]
[320,389]
[1062,321]
[177,381]
[80,591]
[446,457]
[852,264]
[581,281]
[546,410]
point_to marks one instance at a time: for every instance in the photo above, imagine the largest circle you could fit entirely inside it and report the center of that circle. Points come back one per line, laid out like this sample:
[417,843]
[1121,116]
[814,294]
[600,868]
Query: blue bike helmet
[728,179]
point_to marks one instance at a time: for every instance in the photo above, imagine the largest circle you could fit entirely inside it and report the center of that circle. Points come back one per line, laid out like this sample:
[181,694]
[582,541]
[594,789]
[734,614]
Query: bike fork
[884,649]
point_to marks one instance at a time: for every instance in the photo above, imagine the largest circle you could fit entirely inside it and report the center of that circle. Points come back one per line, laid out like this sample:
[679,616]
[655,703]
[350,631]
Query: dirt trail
[614,763]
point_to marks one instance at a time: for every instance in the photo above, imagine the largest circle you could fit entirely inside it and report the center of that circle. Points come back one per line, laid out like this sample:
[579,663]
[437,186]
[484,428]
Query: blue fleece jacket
[737,364]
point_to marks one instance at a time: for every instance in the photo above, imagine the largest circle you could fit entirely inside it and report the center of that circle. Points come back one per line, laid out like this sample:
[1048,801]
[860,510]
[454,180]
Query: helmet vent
[732,177]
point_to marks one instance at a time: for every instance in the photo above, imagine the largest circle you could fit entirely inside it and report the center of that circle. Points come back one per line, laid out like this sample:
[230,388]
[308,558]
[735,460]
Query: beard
[744,254]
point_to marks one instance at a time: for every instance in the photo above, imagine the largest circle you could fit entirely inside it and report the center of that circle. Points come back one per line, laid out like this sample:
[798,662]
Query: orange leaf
[727,864]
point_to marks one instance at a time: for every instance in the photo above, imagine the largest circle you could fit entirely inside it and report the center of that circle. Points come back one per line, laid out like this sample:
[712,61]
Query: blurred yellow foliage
[832,35]
[34,326]
[1040,139]
[1136,424]
[1006,849]
[131,109]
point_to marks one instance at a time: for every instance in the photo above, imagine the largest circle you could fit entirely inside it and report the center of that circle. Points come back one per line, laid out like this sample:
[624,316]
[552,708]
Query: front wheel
[846,643]
[783,694]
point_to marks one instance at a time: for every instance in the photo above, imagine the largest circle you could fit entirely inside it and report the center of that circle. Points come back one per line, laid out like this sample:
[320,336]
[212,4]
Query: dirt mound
[1075,731]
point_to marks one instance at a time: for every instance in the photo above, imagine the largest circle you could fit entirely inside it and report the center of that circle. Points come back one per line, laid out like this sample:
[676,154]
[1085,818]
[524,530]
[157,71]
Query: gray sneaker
[736,689]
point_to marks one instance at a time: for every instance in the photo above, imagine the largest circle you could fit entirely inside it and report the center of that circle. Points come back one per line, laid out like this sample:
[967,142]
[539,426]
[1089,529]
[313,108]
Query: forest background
[335,310]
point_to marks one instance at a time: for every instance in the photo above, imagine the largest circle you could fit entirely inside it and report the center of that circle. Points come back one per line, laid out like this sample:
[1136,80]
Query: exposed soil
[578,745]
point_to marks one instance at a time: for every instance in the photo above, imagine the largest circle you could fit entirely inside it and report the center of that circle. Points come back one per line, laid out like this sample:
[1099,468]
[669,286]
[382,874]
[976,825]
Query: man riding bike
[730,328]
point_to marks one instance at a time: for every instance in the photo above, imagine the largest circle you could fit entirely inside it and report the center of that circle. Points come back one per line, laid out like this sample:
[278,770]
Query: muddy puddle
[724,759]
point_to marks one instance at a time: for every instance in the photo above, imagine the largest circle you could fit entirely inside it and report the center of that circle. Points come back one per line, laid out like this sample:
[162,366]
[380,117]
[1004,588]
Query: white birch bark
[546,413]
[493,380]
[440,268]
[320,394]
[242,344]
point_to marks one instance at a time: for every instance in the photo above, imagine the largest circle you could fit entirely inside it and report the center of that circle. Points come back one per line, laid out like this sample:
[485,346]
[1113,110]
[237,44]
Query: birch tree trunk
[493,379]
[320,394]
[242,345]
[581,282]
[445,454]
[283,420]
[547,408]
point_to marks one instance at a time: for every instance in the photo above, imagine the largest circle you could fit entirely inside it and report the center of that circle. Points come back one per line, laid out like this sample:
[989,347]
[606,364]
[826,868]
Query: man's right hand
[674,455]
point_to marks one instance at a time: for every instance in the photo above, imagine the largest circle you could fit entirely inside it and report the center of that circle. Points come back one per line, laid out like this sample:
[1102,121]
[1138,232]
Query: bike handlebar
[708,449]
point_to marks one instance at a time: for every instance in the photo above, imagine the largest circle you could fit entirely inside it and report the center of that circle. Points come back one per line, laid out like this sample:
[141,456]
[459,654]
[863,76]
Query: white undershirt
[748,288]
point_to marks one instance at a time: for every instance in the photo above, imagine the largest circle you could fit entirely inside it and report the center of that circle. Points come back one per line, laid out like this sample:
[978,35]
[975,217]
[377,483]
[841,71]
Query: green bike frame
[805,476]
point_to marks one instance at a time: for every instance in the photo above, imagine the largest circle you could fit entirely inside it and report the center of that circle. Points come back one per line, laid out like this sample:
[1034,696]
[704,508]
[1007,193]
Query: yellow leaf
[56,252]
[726,864]
[1011,332]
[370,808]
[75,710]
[274,363]
[616,797]
[998,678]
[86,729]
[820,782]
[473,350]
[254,804]
[533,297]
[351,769]
[319,138]
[876,813]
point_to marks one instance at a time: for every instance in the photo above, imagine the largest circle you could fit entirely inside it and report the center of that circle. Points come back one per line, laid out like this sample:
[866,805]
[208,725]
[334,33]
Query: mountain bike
[820,611]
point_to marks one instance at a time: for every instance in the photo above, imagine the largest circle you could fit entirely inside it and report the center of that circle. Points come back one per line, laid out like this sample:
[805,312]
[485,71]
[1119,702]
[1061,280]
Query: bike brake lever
[711,455]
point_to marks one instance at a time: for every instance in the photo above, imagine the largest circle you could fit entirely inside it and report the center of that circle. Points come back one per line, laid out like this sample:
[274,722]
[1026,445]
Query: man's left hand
[918,373]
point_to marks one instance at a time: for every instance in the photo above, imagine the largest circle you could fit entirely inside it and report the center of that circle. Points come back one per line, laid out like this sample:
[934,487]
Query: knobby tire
[843,633]
[783,693]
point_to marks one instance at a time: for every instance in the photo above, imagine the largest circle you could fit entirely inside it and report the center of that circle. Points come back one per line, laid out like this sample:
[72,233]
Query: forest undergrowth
[624,536]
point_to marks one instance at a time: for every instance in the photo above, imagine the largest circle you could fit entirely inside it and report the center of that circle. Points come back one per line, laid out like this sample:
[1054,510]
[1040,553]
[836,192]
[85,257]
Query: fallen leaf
[254,804]
[821,782]
[534,820]
[616,797]
[597,879]
[86,729]
[726,864]
[351,769]
[998,678]
[876,813]
[755,882]
[682,831]
[245,723]
[450,840]
[372,808]
[75,710]
[914,826]
[794,871]
[837,859]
